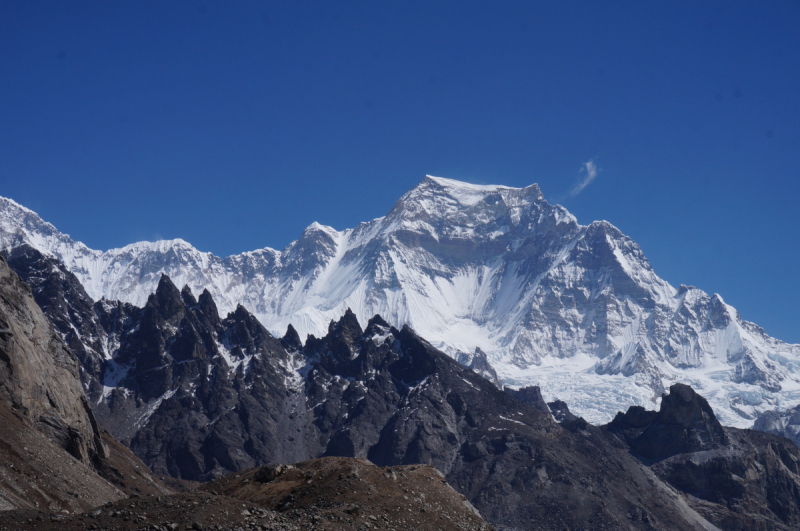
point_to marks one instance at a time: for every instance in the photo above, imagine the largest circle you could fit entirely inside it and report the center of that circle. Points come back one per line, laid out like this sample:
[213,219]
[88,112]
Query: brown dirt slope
[36,473]
[331,493]
[345,493]
[127,472]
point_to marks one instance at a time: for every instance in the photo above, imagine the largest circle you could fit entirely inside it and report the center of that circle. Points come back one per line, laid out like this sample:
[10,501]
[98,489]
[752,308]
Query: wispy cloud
[587,174]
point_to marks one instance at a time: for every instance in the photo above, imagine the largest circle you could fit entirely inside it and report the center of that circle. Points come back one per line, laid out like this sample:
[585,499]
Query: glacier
[576,309]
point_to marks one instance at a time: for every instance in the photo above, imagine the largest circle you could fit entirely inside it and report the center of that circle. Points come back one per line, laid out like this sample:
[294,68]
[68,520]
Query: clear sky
[235,125]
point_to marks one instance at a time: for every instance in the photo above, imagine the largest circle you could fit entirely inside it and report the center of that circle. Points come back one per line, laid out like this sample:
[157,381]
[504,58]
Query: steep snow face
[575,309]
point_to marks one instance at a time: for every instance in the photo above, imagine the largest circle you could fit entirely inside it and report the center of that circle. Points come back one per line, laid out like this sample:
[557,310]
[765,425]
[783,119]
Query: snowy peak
[320,228]
[604,249]
[313,249]
[470,194]
[444,209]
[576,309]
[20,225]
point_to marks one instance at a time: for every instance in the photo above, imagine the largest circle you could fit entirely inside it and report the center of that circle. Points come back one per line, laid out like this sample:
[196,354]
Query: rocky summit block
[737,479]
[684,424]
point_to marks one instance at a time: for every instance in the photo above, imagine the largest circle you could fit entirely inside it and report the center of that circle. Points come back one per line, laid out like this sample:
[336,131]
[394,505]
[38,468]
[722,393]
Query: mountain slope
[39,376]
[197,397]
[53,453]
[345,494]
[737,479]
[576,309]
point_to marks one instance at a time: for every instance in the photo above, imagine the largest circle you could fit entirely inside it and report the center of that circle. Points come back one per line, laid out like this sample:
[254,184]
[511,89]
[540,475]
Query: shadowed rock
[685,423]
[531,395]
[738,479]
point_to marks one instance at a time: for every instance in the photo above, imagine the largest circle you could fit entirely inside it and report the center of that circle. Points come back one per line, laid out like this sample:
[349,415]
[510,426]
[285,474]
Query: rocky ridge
[325,494]
[353,493]
[737,479]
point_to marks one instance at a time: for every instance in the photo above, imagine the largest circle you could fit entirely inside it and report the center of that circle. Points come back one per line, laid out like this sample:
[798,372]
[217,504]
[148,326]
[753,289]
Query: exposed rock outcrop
[479,362]
[737,479]
[561,412]
[532,396]
[39,375]
[53,454]
[684,424]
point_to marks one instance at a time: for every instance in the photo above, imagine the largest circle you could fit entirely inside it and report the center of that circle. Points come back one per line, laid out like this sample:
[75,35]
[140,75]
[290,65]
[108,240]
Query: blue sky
[235,125]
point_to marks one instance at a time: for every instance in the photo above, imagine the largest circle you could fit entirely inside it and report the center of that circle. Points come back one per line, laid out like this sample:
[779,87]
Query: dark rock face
[684,424]
[200,396]
[561,412]
[737,479]
[530,395]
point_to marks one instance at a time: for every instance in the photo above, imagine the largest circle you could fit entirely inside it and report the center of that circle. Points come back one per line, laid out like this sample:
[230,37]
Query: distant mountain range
[197,396]
[576,309]
[60,470]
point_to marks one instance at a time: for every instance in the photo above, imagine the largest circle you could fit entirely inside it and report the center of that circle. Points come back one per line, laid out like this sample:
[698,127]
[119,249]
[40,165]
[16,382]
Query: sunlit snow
[576,309]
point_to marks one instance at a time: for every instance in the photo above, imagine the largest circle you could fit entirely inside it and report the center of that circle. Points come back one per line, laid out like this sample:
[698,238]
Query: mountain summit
[576,309]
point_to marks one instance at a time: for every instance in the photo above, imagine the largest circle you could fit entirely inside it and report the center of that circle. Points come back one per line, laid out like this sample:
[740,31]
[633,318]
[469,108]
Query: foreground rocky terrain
[325,494]
[344,493]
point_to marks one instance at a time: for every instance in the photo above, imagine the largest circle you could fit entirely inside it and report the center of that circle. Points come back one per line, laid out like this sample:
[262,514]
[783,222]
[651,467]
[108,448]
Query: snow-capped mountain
[576,309]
